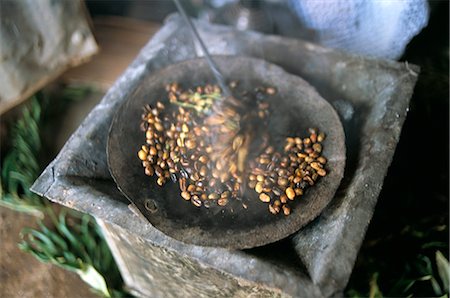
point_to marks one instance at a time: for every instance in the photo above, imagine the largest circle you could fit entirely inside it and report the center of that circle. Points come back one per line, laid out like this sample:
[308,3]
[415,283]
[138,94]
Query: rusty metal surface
[371,97]
[295,107]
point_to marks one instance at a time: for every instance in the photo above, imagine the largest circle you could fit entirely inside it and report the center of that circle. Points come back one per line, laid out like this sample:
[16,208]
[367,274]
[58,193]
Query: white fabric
[378,28]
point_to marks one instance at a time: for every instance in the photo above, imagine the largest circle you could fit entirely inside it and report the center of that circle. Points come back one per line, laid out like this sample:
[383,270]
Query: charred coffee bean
[149,171]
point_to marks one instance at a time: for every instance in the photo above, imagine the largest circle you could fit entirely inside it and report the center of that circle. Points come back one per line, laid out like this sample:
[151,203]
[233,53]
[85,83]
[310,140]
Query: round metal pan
[295,108]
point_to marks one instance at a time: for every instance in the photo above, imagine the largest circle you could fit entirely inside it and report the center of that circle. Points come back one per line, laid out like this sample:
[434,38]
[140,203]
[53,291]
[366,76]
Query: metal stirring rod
[243,151]
[211,63]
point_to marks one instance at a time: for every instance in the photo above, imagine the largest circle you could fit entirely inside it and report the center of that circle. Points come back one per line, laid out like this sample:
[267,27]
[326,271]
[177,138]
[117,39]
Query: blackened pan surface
[295,108]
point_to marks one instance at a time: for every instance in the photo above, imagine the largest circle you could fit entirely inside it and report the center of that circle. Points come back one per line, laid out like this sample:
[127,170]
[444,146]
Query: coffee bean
[259,187]
[222,201]
[142,155]
[195,200]
[271,90]
[149,171]
[282,181]
[321,137]
[213,196]
[290,193]
[321,172]
[264,197]
[186,195]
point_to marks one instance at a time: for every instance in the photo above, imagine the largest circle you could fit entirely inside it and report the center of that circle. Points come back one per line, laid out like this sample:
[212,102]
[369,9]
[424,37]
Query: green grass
[20,166]
[70,240]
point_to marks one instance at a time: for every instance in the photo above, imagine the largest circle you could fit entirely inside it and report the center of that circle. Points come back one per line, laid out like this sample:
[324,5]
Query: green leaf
[16,204]
[374,289]
[107,259]
[425,278]
[34,137]
[443,267]
[47,244]
[23,146]
[8,164]
[70,257]
[26,161]
[57,239]
[62,228]
[24,246]
[402,286]
[32,246]
[436,287]
[352,293]
[94,279]
[26,114]
[435,244]
[76,93]
[20,178]
[75,243]
[39,256]
[35,108]
[424,265]
[86,237]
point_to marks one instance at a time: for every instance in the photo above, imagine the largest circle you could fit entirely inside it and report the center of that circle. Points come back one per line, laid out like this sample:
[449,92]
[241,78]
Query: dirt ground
[21,275]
